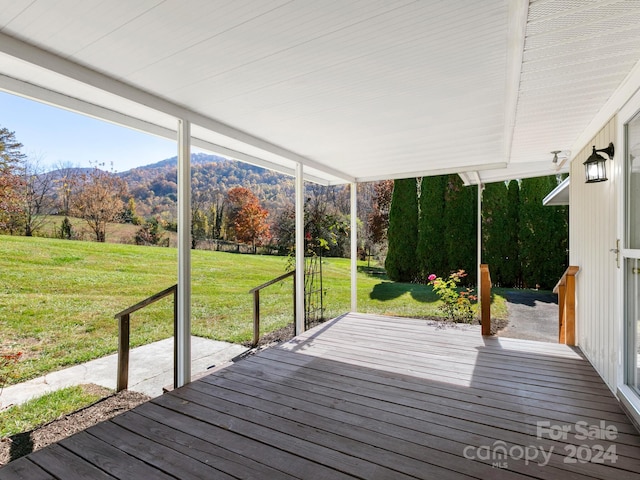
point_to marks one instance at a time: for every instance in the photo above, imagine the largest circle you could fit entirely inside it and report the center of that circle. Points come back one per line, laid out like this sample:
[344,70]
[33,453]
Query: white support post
[354,247]
[479,253]
[183,331]
[299,326]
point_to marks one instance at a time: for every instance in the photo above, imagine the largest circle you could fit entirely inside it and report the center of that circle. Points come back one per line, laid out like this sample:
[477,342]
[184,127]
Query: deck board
[226,460]
[61,462]
[495,392]
[364,397]
[318,372]
[25,469]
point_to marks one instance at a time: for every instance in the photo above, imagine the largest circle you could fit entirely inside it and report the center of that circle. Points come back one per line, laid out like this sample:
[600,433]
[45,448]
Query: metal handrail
[271,282]
[124,330]
[256,302]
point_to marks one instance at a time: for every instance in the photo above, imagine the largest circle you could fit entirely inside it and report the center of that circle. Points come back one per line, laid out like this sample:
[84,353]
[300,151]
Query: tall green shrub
[431,256]
[460,229]
[495,230]
[403,231]
[543,234]
[460,234]
[511,270]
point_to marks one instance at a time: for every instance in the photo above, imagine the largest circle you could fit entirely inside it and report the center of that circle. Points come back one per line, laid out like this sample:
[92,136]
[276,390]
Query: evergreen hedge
[434,230]
[402,235]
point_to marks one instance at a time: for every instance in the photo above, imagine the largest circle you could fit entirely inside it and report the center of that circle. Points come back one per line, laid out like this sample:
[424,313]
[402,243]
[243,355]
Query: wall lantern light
[596,165]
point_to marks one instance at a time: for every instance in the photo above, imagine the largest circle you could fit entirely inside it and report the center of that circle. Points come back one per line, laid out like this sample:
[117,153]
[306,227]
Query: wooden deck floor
[372,398]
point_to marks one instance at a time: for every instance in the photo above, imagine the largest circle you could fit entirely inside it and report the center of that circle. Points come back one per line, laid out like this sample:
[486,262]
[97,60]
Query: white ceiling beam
[432,173]
[40,94]
[247,139]
[470,178]
[72,104]
[54,63]
[559,195]
[518,13]
[258,162]
[578,8]
[503,175]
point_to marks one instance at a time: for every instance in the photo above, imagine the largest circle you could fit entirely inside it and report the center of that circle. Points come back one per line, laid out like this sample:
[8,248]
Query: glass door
[632,327]
[631,255]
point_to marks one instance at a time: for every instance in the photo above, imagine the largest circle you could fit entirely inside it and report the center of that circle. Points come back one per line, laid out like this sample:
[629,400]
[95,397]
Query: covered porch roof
[354,90]
[559,195]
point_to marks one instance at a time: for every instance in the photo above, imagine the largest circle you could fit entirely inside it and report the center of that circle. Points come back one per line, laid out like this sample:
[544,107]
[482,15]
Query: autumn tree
[251,224]
[364,192]
[215,213]
[36,197]
[199,220]
[199,227]
[378,219]
[11,158]
[246,219]
[324,221]
[98,199]
[284,229]
[151,234]
[65,179]
[130,214]
[326,228]
[66,176]
[207,214]
[235,201]
[373,217]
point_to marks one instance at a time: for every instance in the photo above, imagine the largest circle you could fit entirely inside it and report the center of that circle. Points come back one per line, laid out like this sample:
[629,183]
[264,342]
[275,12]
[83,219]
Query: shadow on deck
[368,397]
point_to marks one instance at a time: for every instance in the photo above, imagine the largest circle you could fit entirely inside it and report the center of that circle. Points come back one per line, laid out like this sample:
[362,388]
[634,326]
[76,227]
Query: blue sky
[54,135]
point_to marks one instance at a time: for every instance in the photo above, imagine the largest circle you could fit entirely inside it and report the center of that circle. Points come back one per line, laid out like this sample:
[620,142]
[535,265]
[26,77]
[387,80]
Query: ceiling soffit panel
[368,87]
[576,55]
[41,75]
[359,88]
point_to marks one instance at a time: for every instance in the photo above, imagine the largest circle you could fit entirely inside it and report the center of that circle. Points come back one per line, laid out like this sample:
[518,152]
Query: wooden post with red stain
[485,299]
[562,295]
[566,291]
[570,307]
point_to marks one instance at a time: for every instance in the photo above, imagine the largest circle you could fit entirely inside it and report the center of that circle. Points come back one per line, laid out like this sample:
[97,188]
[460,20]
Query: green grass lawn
[44,409]
[58,298]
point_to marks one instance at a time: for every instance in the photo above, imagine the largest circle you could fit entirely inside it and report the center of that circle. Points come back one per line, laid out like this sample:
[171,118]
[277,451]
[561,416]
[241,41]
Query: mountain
[154,186]
[196,159]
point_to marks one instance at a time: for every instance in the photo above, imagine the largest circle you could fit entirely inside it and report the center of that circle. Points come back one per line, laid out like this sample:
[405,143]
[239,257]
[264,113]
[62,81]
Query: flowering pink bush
[456,304]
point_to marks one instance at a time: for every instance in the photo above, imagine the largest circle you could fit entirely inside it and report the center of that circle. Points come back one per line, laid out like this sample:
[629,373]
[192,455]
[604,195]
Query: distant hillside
[196,159]
[154,186]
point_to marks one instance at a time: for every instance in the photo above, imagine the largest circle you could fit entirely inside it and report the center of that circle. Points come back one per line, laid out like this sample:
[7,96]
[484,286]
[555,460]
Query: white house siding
[592,233]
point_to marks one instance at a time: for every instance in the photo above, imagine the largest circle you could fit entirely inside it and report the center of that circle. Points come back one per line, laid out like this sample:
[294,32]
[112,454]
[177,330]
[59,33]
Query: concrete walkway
[150,369]
[533,315]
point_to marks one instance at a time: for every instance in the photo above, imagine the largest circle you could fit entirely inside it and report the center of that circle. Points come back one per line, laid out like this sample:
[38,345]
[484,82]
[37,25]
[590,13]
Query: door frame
[628,397]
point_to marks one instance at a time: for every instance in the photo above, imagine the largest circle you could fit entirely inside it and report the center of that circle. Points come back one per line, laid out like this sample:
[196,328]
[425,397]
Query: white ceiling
[353,89]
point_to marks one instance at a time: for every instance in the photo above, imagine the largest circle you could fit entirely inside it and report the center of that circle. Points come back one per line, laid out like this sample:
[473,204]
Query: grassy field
[116,232]
[58,298]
